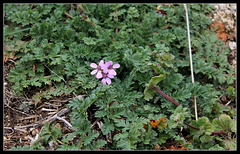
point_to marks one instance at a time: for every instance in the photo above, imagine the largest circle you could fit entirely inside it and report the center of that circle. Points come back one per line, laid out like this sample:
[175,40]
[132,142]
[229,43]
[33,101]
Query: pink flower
[98,69]
[106,78]
[109,67]
[104,71]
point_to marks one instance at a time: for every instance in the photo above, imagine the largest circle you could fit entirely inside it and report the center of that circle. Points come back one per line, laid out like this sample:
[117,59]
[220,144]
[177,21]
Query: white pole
[190,55]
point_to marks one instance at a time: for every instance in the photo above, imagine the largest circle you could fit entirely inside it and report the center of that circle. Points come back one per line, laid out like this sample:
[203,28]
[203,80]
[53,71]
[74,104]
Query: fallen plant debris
[53,54]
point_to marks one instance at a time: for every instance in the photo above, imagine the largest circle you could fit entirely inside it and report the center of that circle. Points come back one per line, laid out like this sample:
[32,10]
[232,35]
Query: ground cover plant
[126,70]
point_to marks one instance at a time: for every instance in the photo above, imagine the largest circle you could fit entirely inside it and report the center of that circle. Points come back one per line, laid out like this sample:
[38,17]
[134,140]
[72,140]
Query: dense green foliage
[54,45]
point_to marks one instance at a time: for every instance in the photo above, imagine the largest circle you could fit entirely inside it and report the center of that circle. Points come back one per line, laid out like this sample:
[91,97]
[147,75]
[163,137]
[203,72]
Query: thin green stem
[14,32]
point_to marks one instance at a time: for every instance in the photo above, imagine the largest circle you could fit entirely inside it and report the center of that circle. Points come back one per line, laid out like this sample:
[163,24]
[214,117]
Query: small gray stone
[232,45]
[222,6]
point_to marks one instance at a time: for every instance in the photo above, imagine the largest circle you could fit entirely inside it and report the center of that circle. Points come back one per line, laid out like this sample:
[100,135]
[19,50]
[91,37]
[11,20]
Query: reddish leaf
[223,36]
[160,123]
[178,147]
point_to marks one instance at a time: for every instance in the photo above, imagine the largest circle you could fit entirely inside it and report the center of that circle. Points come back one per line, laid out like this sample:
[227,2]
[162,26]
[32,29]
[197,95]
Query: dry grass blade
[190,55]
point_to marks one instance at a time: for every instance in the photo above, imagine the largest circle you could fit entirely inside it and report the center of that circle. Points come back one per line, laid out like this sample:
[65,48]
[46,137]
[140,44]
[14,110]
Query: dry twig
[50,119]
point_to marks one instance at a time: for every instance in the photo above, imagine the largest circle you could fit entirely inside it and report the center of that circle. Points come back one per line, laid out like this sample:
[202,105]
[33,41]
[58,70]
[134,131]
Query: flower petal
[108,64]
[105,69]
[103,81]
[94,72]
[111,63]
[112,71]
[116,66]
[108,80]
[101,63]
[110,76]
[99,75]
[93,65]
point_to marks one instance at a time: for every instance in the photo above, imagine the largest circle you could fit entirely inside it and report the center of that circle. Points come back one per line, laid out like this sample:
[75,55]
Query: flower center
[104,75]
[110,67]
[99,68]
